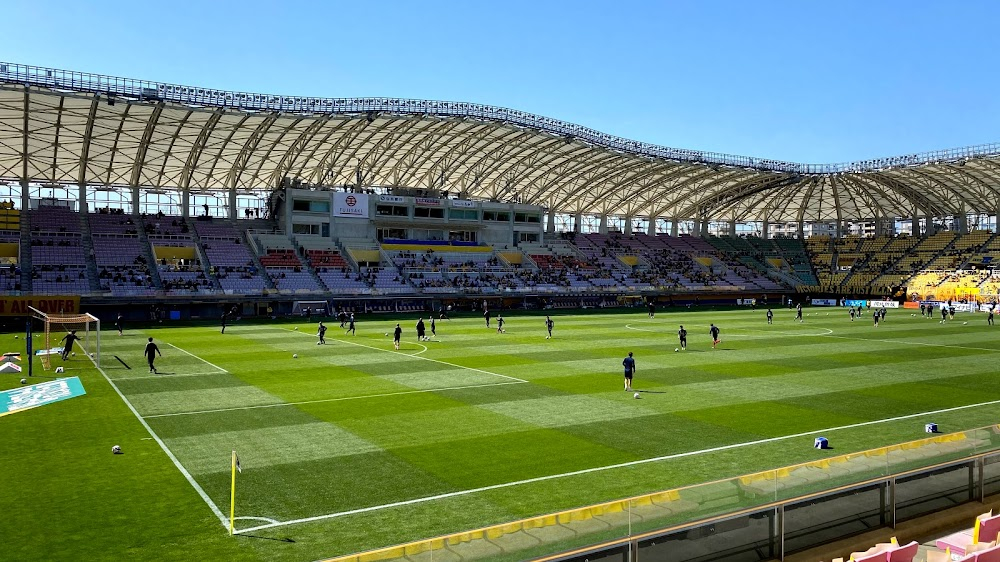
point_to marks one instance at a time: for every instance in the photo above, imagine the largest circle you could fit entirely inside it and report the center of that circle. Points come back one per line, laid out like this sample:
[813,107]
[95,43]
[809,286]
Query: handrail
[143,90]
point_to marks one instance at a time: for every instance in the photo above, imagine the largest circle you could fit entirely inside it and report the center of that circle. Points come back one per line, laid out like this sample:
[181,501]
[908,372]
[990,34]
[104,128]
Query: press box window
[428,212]
[308,206]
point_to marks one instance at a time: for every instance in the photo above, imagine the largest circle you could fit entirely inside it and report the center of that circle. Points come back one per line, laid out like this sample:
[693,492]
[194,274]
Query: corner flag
[232,493]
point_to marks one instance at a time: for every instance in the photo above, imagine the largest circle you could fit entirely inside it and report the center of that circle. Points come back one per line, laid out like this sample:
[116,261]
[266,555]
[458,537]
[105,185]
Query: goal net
[49,331]
[319,308]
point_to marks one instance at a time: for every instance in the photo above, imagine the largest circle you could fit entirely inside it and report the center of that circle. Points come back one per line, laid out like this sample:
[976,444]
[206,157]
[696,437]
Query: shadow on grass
[286,539]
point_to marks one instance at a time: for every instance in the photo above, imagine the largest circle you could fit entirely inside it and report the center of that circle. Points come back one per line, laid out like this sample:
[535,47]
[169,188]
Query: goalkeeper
[68,345]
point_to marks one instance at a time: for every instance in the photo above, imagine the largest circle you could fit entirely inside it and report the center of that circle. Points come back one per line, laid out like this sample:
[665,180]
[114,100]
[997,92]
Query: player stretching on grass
[548,326]
[629,365]
[151,352]
[714,332]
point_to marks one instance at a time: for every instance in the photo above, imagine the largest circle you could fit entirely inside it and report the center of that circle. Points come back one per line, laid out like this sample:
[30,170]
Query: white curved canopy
[70,128]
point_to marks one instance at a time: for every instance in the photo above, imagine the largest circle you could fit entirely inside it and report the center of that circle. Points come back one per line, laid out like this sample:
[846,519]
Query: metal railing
[111,86]
[592,531]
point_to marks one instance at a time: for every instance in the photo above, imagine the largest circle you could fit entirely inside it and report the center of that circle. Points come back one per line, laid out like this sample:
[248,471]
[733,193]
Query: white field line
[419,352]
[764,335]
[196,357]
[609,467]
[322,400]
[416,356]
[917,343]
[166,376]
[187,475]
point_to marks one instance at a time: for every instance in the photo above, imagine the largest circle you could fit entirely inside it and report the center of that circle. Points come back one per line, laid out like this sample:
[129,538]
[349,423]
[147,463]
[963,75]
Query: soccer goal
[319,308]
[51,328]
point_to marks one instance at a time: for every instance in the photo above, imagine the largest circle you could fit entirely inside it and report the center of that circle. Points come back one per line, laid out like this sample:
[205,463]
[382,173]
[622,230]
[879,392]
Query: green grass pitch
[469,429]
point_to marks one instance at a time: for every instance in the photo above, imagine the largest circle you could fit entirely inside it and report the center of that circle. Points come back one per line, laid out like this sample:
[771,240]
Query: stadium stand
[229,258]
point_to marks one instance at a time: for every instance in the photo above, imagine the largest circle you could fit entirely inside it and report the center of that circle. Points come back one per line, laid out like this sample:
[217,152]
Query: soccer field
[352,445]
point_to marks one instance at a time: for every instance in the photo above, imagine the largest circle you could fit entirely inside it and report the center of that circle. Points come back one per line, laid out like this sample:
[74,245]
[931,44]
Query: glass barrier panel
[747,538]
[818,521]
[930,492]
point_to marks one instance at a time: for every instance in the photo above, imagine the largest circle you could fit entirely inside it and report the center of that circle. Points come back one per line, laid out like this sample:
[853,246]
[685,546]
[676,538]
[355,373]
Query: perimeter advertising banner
[351,205]
[884,304]
[18,306]
[824,302]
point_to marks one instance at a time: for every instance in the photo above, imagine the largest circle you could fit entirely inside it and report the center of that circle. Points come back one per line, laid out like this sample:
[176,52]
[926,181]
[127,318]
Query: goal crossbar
[56,325]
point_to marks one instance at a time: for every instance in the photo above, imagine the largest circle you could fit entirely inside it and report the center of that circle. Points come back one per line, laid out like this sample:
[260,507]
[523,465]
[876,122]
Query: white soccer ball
[387,334]
[295,356]
[296,327]
[59,369]
[319,342]
[15,336]
[116,450]
[964,323]
[73,354]
[24,381]
[676,350]
[91,355]
[636,396]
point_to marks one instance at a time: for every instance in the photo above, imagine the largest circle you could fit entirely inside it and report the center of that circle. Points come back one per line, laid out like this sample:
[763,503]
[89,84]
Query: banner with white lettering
[390,199]
[463,203]
[353,205]
[884,304]
[427,201]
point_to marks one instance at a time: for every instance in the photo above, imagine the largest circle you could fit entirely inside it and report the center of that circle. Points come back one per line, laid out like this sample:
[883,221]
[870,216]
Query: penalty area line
[322,400]
[416,356]
[605,468]
[196,357]
[916,343]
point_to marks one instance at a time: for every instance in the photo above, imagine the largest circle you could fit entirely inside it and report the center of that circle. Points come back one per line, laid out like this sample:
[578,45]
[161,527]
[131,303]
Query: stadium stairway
[25,251]
[206,267]
[88,247]
[147,252]
[245,239]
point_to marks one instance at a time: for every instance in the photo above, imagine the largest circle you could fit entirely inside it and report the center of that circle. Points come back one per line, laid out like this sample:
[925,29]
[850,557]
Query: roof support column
[550,222]
[801,229]
[915,224]
[185,204]
[232,204]
[603,228]
[25,196]
[135,199]
[628,225]
[703,230]
[82,196]
[732,228]
[765,230]
[838,228]
[577,222]
[930,224]
[673,227]
[651,227]
[963,221]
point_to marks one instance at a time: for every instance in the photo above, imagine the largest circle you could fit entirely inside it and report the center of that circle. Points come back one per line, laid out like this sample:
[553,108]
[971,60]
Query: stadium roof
[64,127]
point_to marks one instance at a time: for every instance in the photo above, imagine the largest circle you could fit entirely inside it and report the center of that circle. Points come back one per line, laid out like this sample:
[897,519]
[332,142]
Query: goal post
[319,308]
[51,328]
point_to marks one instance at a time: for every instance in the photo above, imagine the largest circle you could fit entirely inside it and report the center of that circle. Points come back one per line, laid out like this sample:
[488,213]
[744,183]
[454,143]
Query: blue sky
[815,82]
